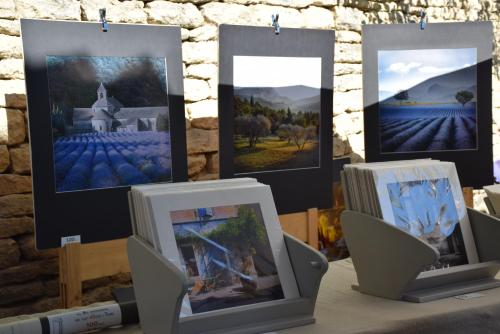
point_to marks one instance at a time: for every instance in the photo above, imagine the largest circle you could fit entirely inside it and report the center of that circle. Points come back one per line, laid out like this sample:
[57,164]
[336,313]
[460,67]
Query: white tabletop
[341,310]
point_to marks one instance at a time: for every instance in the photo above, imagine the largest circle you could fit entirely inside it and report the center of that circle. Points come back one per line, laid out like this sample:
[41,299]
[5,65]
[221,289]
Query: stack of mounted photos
[224,235]
[493,193]
[421,197]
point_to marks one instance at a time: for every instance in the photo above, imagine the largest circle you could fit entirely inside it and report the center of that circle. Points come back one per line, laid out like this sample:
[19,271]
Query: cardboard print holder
[160,287]
[389,261]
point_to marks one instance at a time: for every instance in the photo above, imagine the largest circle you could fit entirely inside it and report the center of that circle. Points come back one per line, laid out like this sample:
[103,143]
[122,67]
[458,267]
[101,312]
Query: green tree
[58,122]
[402,95]
[289,116]
[162,123]
[245,233]
[252,127]
[464,96]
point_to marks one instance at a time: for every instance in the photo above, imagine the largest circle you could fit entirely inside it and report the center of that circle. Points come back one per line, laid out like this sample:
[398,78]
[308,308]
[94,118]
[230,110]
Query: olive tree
[252,127]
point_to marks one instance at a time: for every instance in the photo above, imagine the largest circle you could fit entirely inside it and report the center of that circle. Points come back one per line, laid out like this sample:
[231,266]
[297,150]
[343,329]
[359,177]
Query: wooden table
[340,310]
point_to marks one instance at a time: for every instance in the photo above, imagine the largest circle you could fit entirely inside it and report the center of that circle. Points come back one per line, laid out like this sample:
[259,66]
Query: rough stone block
[49,9]
[21,292]
[29,251]
[29,271]
[16,130]
[14,184]
[4,158]
[345,83]
[220,13]
[196,90]
[10,227]
[20,159]
[202,71]
[200,52]
[196,163]
[289,3]
[348,53]
[347,18]
[204,33]
[116,11]
[350,101]
[202,141]
[346,36]
[16,205]
[11,69]
[214,88]
[9,27]
[206,108]
[185,15]
[213,163]
[317,18]
[7,9]
[205,123]
[12,92]
[343,69]
[9,255]
[289,17]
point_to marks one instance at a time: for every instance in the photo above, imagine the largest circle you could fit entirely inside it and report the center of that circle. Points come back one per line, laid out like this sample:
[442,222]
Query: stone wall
[28,279]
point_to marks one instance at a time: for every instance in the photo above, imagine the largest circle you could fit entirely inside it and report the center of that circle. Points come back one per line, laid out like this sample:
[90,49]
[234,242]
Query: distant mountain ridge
[443,88]
[297,98]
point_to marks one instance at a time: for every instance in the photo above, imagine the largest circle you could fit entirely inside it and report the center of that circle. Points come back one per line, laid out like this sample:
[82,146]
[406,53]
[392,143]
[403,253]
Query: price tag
[70,240]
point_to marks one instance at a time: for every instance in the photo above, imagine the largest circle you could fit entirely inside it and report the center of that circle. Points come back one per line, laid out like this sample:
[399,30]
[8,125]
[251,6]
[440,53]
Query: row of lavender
[101,160]
[429,134]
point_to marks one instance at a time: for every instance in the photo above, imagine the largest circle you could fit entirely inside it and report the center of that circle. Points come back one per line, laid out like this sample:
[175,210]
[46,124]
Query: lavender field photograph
[427,100]
[110,121]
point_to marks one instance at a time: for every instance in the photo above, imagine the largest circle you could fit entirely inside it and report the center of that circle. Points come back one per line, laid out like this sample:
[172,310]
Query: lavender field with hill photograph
[427,100]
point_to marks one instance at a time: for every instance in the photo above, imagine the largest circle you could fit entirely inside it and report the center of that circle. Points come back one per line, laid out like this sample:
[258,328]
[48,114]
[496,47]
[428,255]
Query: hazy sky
[250,71]
[403,69]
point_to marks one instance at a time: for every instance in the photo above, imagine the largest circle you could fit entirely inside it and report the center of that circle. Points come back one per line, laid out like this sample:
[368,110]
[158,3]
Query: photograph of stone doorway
[226,254]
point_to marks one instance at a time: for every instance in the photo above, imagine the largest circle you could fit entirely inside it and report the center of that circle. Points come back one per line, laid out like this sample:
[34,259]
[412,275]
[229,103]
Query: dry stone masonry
[28,278]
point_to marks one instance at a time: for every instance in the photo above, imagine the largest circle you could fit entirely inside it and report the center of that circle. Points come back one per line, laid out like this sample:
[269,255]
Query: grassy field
[271,153]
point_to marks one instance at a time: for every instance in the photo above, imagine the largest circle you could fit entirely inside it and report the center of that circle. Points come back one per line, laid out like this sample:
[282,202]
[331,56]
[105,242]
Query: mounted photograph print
[226,238]
[427,100]
[276,117]
[426,201]
[106,112]
[121,136]
[428,93]
[226,252]
[275,112]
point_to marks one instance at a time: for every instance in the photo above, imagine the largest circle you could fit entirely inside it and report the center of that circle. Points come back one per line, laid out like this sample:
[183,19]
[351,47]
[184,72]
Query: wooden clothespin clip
[423,19]
[276,25]
[104,23]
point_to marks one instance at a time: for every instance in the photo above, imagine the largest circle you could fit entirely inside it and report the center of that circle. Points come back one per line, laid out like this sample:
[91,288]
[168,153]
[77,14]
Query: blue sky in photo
[419,205]
[402,69]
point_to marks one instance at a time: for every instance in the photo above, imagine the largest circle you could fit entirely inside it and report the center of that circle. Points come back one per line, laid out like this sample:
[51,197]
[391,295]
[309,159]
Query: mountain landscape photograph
[427,100]
[277,103]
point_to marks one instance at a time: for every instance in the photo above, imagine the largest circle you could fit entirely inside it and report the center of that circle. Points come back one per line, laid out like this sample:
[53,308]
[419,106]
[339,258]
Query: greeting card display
[224,236]
[421,197]
[105,113]
[427,93]
[275,112]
